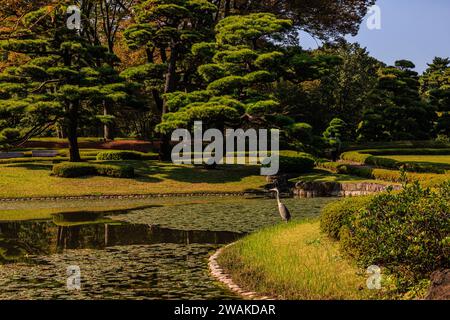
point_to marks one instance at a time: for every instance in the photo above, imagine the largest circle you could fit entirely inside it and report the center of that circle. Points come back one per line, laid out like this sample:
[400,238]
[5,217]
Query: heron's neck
[278,197]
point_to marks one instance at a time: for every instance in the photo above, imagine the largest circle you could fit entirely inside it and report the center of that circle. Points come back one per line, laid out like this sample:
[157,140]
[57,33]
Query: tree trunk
[165,150]
[227,8]
[107,127]
[72,126]
[171,74]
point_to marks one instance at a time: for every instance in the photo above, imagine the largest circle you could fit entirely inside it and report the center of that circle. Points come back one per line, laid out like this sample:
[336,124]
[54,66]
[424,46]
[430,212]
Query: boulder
[440,286]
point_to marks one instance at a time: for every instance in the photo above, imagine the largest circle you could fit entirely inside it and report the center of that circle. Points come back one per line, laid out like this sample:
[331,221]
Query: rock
[336,189]
[281,182]
[440,286]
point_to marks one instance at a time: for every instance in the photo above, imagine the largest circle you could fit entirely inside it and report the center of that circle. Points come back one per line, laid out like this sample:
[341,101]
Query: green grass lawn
[294,262]
[34,180]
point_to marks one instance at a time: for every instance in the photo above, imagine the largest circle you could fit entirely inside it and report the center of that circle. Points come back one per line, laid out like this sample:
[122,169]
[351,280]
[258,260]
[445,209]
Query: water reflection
[156,252]
[20,239]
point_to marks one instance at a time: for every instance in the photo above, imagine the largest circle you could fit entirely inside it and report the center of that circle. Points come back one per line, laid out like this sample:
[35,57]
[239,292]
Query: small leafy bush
[388,163]
[74,170]
[297,164]
[337,214]
[125,155]
[333,166]
[358,171]
[355,156]
[408,233]
[407,152]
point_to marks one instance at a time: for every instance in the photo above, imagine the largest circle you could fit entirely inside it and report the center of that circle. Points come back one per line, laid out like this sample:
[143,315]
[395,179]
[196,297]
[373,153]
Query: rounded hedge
[336,215]
[118,155]
[406,232]
[297,164]
[74,170]
[387,163]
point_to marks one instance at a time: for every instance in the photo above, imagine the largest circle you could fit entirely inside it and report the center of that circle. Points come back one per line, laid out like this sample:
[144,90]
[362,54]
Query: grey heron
[282,209]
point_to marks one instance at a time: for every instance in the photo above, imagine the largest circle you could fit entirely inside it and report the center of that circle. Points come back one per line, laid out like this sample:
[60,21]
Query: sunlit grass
[34,180]
[294,261]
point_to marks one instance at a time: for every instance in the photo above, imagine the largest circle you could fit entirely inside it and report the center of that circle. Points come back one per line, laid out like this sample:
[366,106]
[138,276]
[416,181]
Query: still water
[159,250]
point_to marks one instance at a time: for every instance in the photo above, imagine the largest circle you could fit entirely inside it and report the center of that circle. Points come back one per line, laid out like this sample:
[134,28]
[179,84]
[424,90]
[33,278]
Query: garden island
[91,92]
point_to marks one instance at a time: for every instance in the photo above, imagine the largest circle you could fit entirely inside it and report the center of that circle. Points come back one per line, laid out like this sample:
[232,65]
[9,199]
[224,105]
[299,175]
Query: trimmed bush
[302,163]
[337,214]
[429,144]
[388,163]
[332,166]
[427,179]
[125,155]
[73,170]
[408,233]
[355,156]
[407,152]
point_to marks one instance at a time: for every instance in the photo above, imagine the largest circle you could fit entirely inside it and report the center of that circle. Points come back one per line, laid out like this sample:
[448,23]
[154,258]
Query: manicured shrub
[407,152]
[427,179]
[125,155]
[363,172]
[409,145]
[388,163]
[296,164]
[408,233]
[355,156]
[337,214]
[332,166]
[73,170]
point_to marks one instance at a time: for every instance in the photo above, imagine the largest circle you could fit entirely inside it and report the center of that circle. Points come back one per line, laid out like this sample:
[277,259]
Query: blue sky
[417,30]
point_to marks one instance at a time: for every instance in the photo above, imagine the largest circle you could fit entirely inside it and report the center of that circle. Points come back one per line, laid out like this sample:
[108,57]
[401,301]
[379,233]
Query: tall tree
[64,77]
[397,111]
[435,87]
[326,19]
[167,30]
[239,70]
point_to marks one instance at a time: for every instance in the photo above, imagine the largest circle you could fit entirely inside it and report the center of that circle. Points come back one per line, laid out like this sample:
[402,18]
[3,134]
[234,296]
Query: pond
[158,250]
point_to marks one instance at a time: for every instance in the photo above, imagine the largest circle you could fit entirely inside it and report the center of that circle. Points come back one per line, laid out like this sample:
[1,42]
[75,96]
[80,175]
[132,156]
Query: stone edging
[218,273]
[133,196]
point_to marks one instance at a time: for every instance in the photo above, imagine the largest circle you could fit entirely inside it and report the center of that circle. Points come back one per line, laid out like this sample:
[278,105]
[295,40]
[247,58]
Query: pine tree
[64,79]
[239,69]
[397,111]
[435,87]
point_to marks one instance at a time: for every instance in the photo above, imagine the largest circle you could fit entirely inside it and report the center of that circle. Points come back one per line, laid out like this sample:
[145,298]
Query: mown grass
[294,262]
[34,180]
[320,175]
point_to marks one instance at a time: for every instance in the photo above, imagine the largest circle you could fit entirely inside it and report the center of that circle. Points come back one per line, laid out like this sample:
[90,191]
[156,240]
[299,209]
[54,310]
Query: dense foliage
[74,170]
[142,68]
[414,226]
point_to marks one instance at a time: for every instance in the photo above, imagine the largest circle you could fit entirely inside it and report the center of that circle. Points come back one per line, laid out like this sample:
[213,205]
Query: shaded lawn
[294,262]
[34,180]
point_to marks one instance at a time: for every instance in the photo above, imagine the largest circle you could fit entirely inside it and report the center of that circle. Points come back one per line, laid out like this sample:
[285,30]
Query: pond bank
[338,189]
[289,261]
[138,196]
